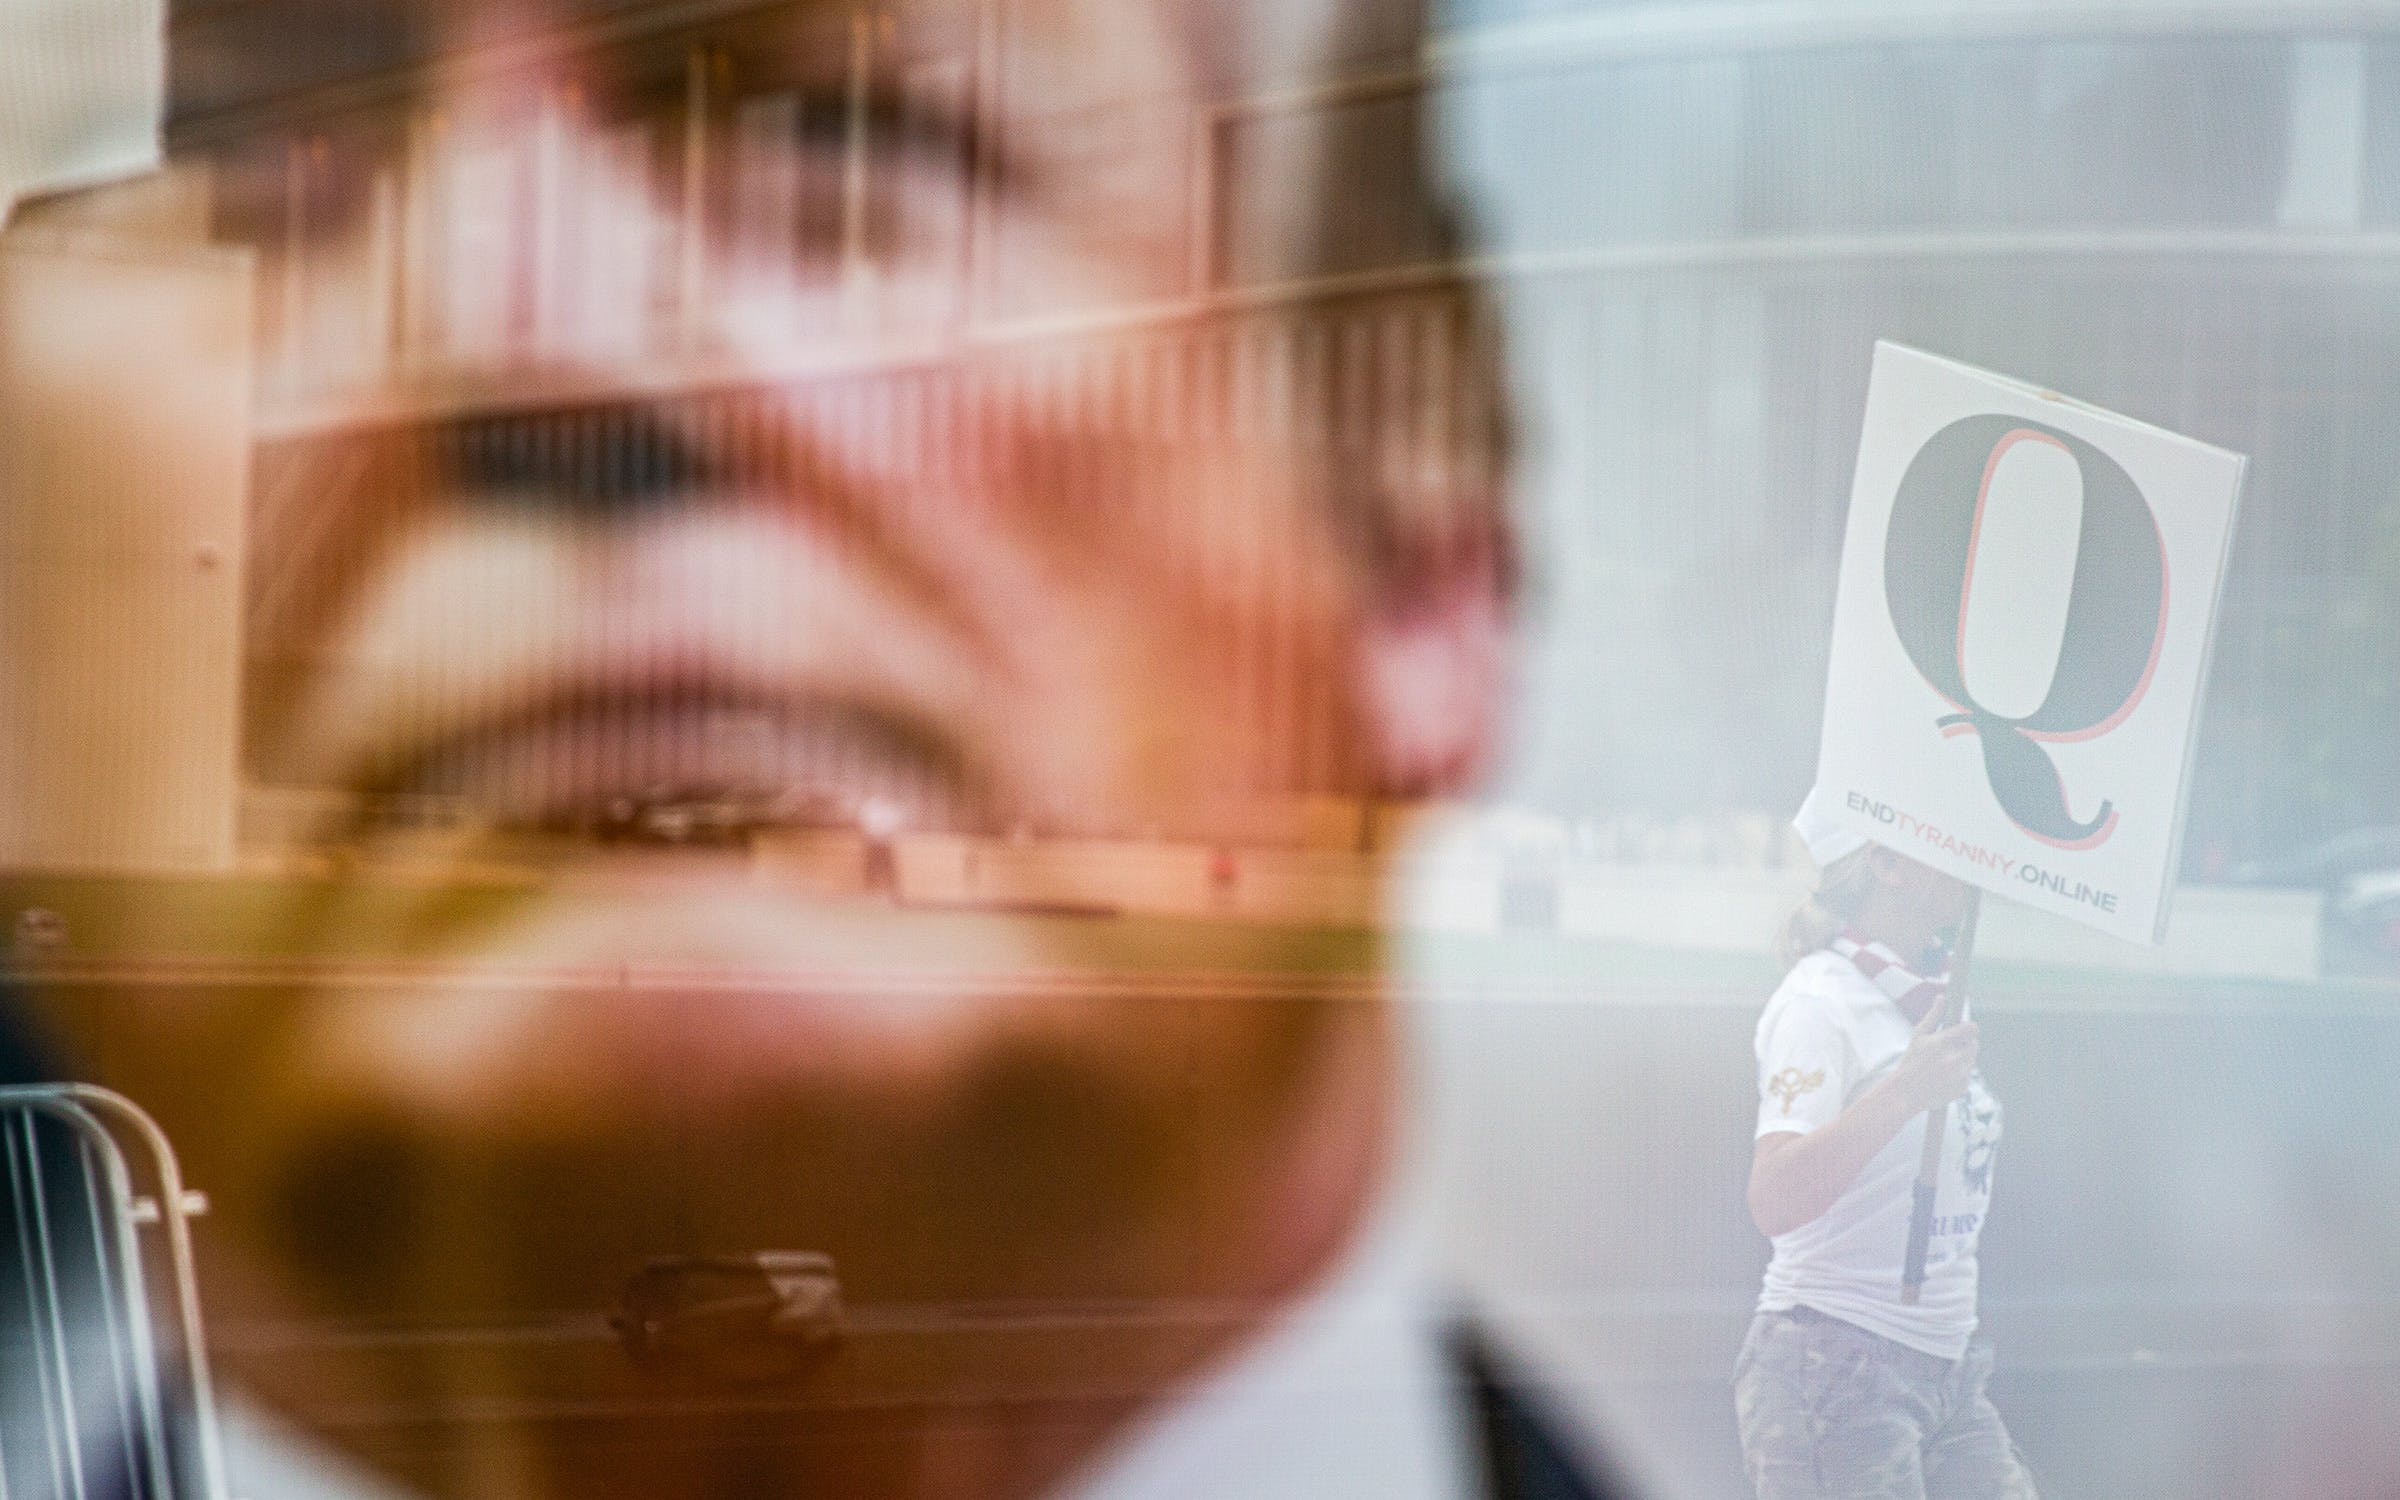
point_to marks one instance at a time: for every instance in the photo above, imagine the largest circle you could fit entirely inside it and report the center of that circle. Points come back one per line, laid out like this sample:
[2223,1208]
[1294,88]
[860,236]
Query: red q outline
[2158,631]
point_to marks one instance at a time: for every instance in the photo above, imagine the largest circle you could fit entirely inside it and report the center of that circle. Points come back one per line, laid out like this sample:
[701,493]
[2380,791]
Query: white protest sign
[2027,605]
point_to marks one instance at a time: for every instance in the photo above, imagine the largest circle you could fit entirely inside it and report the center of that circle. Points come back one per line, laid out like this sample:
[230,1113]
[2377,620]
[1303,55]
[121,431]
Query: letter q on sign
[2027,580]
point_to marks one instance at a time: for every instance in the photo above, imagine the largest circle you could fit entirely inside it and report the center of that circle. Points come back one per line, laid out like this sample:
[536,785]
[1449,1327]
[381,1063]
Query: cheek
[1193,650]
[1945,896]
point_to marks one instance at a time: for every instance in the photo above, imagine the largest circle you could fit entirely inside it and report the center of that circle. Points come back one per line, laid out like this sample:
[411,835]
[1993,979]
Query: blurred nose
[563,264]
[542,219]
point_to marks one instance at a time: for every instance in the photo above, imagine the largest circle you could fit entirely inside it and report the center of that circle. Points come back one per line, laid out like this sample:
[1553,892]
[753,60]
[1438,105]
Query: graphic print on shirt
[1976,1118]
[1791,1083]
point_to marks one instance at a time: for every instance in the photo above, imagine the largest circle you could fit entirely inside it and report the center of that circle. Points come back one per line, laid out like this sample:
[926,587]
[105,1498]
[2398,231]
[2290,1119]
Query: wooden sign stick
[1929,1165]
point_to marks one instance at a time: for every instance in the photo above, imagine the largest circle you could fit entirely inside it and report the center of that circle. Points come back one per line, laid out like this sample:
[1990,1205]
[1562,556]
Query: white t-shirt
[1827,1035]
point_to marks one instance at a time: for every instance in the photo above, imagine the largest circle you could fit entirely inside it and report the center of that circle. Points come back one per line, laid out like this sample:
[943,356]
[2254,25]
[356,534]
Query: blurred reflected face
[943,588]
[943,598]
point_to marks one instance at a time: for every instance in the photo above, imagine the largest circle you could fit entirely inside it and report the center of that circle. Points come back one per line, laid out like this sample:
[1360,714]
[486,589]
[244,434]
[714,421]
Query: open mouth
[700,673]
[691,763]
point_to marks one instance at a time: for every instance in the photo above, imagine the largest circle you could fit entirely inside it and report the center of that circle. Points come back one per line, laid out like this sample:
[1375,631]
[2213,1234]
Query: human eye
[760,184]
[853,171]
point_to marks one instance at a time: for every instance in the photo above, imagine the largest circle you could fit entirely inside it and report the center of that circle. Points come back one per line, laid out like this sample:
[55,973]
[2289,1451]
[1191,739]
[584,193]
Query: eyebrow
[239,66]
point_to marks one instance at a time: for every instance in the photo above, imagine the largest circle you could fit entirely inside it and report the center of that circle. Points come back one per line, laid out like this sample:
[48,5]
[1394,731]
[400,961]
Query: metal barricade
[104,1381]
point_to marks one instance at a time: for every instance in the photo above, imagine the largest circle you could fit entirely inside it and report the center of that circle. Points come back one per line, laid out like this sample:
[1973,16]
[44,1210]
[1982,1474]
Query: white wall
[124,471]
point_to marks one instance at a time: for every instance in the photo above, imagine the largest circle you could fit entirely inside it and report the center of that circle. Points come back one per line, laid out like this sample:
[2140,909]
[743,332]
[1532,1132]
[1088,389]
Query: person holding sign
[1848,1388]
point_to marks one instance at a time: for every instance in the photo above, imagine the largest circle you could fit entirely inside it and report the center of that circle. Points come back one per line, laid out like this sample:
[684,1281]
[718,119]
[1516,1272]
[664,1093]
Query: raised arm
[1794,1177]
